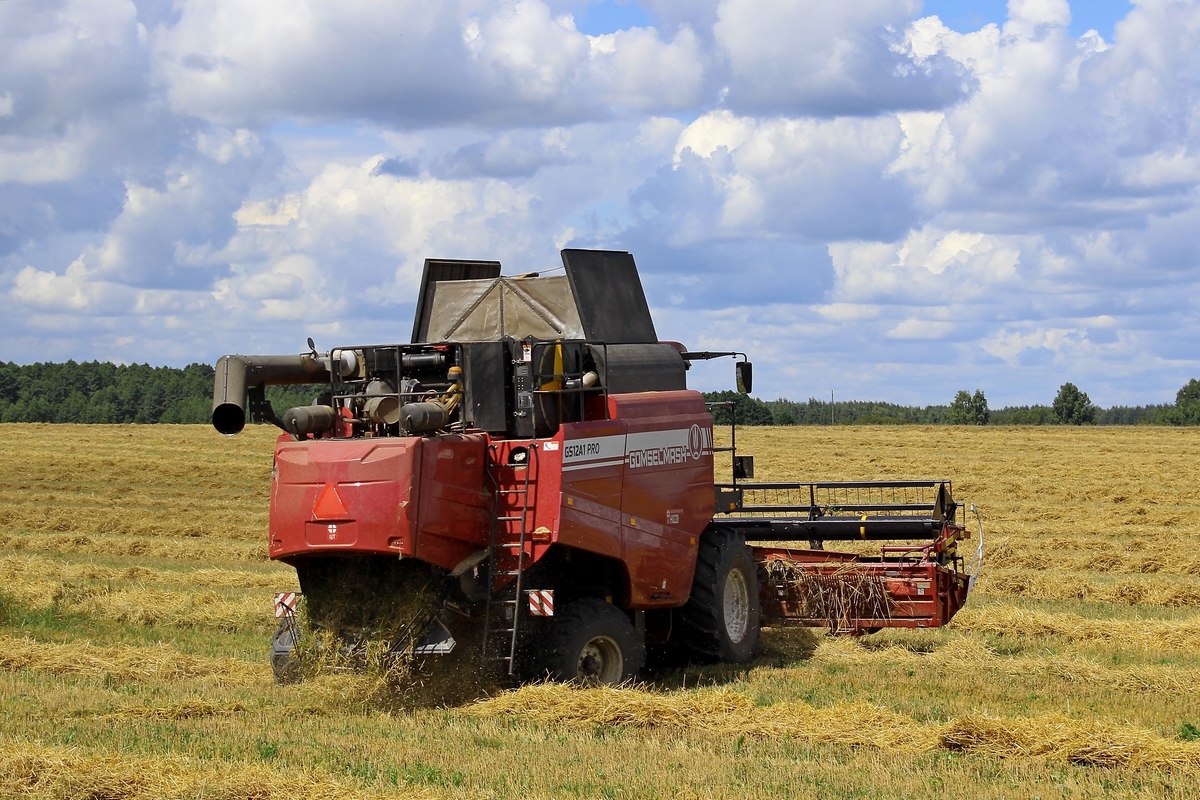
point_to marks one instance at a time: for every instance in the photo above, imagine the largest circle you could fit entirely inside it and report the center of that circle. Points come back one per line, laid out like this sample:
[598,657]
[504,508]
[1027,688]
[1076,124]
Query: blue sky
[963,16]
[971,15]
[889,199]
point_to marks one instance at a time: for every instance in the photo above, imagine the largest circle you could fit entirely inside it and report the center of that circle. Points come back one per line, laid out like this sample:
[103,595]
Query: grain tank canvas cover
[599,298]
[437,272]
[489,310]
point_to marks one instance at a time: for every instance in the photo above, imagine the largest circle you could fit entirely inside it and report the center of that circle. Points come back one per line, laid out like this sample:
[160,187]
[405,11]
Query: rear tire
[592,642]
[720,621]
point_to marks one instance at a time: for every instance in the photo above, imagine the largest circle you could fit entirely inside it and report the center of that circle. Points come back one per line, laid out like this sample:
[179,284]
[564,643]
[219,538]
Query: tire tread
[703,627]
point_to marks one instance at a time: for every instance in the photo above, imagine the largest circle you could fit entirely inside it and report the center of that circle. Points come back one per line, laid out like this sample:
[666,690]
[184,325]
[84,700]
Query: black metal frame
[835,510]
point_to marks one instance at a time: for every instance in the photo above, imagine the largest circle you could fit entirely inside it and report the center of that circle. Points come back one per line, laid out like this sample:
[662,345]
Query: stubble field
[135,607]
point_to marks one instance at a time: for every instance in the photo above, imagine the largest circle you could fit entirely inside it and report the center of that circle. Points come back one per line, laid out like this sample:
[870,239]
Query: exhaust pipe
[236,374]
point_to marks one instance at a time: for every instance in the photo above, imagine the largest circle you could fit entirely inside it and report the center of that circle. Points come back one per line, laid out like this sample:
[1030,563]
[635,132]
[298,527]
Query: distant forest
[96,392]
[102,392]
[751,411]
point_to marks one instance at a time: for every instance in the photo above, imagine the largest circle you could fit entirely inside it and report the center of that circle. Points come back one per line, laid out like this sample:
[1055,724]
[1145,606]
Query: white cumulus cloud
[861,197]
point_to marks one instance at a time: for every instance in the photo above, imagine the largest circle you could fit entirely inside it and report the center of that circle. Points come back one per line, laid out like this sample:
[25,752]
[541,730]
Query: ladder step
[511,508]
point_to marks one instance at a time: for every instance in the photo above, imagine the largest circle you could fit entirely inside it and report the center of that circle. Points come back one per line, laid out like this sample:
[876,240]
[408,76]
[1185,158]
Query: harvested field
[725,712]
[157,664]
[36,771]
[1148,635]
[969,656]
[135,608]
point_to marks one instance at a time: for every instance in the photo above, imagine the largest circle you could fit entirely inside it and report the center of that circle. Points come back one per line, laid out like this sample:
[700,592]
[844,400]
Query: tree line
[1071,406]
[102,392]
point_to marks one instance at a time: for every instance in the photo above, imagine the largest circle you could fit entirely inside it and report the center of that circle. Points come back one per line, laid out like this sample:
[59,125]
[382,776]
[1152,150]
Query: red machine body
[408,497]
[636,487]
[536,453]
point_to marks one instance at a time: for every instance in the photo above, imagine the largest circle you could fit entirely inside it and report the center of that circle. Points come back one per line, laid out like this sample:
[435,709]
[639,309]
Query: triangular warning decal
[329,504]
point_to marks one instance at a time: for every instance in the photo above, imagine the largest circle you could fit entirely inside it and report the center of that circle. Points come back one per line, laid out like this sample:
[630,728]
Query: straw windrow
[36,771]
[158,663]
[967,656]
[1158,635]
[724,712]
[1059,738]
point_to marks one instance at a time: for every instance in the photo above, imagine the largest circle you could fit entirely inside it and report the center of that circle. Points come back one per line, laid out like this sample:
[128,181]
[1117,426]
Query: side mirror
[744,371]
[743,467]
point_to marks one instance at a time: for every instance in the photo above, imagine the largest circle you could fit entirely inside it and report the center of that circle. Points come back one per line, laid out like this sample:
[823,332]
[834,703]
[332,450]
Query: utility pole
[831,406]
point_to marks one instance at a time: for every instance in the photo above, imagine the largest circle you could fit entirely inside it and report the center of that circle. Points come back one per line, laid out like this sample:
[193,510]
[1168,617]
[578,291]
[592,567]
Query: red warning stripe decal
[285,603]
[541,602]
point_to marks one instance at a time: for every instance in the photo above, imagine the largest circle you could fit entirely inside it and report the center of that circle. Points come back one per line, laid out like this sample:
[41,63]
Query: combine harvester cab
[531,478]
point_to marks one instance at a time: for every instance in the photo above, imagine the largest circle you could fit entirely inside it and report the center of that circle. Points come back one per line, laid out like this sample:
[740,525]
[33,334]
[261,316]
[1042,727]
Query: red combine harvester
[534,461]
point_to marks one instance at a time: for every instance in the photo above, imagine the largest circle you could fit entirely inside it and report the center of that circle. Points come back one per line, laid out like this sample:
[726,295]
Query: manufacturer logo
[669,448]
[699,439]
[676,447]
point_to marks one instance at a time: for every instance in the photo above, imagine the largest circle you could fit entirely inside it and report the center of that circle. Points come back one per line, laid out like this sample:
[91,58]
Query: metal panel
[642,368]
[485,380]
[445,269]
[608,291]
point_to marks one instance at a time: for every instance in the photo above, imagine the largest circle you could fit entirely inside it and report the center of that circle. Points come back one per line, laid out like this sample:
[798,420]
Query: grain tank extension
[530,476]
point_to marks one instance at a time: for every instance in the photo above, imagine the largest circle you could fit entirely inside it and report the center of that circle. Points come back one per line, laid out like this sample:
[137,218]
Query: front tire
[594,643]
[720,621]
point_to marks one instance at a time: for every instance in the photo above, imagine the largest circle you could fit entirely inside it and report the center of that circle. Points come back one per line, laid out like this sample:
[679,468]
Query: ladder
[506,563]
